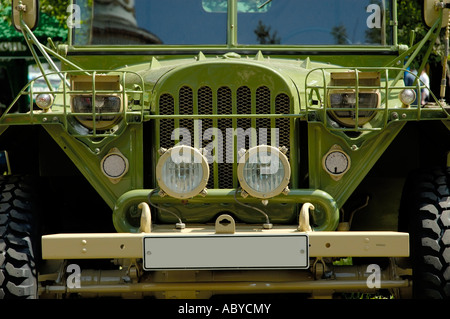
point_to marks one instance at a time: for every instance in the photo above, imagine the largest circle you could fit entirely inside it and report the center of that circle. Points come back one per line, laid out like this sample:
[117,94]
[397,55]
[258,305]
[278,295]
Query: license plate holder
[196,252]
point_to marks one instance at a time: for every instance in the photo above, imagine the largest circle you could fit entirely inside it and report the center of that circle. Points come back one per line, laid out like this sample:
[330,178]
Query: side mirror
[30,13]
[431,11]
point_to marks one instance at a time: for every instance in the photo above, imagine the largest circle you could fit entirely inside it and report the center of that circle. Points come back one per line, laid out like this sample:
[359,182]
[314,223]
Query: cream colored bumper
[131,245]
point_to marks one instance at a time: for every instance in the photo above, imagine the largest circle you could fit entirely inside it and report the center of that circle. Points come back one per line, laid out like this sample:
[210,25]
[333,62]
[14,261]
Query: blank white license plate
[226,252]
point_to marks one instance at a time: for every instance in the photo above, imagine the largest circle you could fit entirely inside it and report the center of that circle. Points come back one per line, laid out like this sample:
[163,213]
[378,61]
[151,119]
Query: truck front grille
[223,101]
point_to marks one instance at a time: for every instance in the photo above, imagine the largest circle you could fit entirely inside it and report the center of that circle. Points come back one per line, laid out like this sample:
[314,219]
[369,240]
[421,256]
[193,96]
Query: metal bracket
[442,5]
[225,224]
[21,7]
[324,273]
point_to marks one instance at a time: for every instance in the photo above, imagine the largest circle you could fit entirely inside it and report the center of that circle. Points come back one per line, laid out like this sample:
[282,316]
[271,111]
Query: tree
[410,19]
[264,36]
[339,34]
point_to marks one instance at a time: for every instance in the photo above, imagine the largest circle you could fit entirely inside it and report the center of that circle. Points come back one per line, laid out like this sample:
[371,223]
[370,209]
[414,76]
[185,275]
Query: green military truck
[208,147]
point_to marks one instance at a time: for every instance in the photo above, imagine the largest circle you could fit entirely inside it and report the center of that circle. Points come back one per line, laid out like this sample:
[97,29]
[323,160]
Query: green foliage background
[410,17]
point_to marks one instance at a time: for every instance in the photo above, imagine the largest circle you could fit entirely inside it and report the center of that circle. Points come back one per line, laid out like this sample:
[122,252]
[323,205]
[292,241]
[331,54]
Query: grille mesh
[283,106]
[244,106]
[225,106]
[222,101]
[166,127]
[263,107]
[205,106]
[186,107]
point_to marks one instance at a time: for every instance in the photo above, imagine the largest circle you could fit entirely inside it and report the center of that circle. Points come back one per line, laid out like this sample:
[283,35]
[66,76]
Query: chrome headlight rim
[199,159]
[284,181]
[350,121]
[100,124]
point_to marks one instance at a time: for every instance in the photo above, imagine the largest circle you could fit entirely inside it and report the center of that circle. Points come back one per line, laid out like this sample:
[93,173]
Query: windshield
[204,22]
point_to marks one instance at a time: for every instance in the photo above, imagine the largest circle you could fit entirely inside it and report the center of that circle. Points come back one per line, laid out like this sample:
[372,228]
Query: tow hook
[303,223]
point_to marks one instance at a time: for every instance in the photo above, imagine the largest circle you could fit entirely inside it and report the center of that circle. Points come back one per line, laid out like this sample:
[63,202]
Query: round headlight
[407,96]
[264,171]
[110,104]
[182,172]
[346,99]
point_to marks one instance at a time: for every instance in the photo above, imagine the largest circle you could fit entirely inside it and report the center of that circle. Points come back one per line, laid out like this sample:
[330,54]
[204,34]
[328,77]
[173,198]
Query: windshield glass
[146,22]
[204,22]
[300,22]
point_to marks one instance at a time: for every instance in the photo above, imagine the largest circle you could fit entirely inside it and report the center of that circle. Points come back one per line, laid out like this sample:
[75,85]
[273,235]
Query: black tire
[18,278]
[426,214]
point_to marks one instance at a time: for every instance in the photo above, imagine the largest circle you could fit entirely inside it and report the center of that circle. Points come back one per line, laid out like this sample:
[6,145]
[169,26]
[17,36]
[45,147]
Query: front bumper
[131,245]
[224,277]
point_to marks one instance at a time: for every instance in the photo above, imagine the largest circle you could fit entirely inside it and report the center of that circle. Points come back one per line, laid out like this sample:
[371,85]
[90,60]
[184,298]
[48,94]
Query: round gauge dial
[336,162]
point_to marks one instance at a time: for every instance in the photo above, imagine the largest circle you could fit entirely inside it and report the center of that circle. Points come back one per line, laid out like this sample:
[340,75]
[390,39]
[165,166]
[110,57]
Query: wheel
[18,277]
[426,213]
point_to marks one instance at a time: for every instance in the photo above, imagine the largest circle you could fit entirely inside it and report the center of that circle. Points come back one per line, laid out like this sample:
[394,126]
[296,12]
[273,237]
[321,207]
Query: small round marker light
[407,96]
[44,101]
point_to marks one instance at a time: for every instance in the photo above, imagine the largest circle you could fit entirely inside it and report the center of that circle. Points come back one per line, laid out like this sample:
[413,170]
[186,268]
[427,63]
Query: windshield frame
[232,42]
